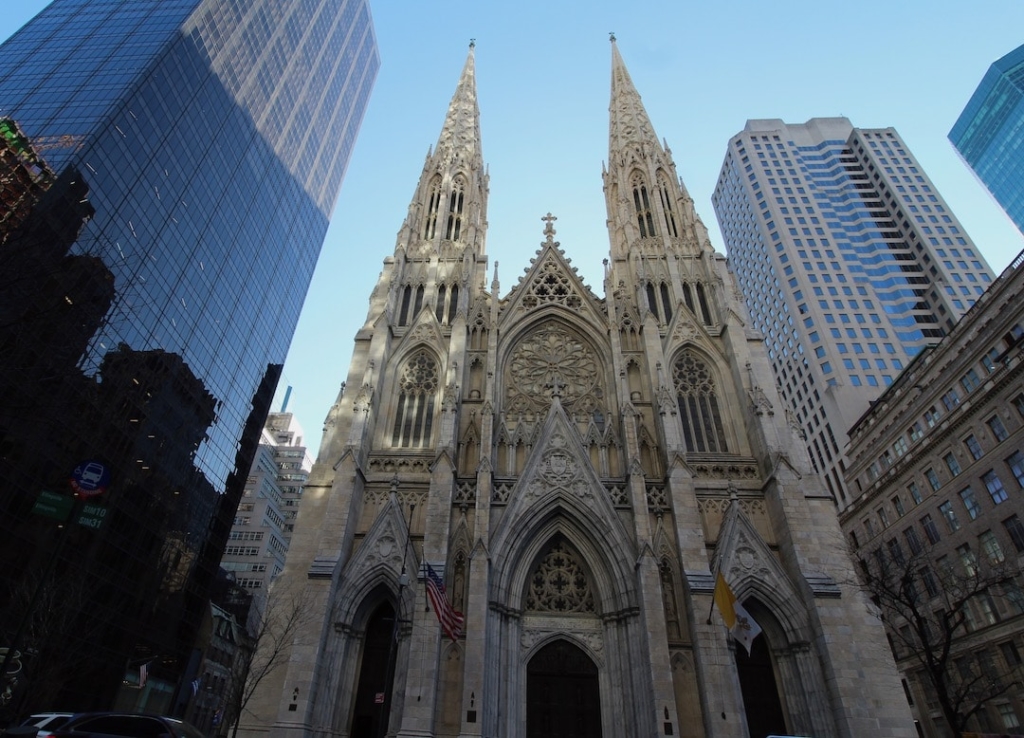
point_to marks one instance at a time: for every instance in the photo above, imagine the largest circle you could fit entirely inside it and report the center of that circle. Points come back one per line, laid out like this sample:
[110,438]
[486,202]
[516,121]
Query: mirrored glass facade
[850,263]
[989,134]
[168,171]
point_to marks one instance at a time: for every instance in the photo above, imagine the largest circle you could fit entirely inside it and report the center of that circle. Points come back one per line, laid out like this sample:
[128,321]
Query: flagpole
[402,581]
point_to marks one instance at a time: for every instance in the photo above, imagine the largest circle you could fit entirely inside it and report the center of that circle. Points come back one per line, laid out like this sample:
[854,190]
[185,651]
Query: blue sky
[702,68]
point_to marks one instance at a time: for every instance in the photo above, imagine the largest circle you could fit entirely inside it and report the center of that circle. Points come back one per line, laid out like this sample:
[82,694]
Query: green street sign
[53,505]
[92,515]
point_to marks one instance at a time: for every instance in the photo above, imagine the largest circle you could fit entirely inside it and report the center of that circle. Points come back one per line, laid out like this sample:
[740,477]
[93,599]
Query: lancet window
[698,405]
[455,202]
[417,396]
[642,203]
[433,205]
[447,304]
[662,312]
[666,205]
[412,301]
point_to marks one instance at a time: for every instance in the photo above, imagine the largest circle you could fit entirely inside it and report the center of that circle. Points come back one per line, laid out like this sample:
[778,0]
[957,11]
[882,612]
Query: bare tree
[929,610]
[271,633]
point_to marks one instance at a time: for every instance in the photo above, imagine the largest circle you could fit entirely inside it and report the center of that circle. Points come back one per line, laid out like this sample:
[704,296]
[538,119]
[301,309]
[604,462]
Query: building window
[952,464]
[930,583]
[995,486]
[998,429]
[1006,713]
[913,541]
[967,559]
[434,204]
[991,548]
[900,446]
[973,446]
[1010,654]
[1016,463]
[666,205]
[950,400]
[932,415]
[642,203]
[896,551]
[931,531]
[915,493]
[417,391]
[1015,529]
[933,478]
[897,505]
[698,405]
[970,380]
[970,503]
[454,227]
[946,508]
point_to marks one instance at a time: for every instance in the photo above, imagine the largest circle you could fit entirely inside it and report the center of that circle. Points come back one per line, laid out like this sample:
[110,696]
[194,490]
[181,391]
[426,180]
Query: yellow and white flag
[743,627]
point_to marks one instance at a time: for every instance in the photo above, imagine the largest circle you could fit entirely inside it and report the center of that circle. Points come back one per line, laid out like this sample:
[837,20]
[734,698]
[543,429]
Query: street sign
[53,505]
[92,515]
[90,478]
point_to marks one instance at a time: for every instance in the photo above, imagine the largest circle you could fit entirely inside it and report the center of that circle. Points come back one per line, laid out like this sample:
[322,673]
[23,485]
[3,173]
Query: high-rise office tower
[989,134]
[850,262]
[574,469]
[263,525]
[174,162]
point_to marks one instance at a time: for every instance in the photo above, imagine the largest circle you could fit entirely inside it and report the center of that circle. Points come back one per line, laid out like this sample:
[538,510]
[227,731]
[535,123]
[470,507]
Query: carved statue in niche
[459,583]
[549,356]
[668,595]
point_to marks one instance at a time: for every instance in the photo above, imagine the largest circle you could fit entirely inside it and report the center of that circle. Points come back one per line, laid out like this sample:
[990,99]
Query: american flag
[451,619]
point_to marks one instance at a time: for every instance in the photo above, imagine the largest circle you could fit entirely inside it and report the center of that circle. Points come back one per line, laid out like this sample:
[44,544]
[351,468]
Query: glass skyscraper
[168,171]
[850,263]
[989,134]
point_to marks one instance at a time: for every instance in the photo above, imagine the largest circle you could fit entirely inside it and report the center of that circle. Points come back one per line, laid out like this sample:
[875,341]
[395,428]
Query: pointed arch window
[455,202]
[666,303]
[642,203]
[447,304]
[698,405]
[688,297]
[403,314]
[433,206]
[417,396]
[666,205]
[705,310]
[663,311]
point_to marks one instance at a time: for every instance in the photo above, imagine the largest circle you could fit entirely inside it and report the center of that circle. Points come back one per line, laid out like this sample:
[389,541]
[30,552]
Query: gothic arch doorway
[760,692]
[376,675]
[563,697]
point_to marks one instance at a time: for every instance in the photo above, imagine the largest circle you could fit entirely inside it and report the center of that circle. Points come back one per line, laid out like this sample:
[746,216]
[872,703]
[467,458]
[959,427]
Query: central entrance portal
[563,699]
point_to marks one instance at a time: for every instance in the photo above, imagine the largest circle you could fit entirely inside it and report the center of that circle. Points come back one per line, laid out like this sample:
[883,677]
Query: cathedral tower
[576,469]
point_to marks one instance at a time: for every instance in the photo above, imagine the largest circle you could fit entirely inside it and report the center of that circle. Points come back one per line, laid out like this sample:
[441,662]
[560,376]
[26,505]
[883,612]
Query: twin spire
[460,135]
[628,125]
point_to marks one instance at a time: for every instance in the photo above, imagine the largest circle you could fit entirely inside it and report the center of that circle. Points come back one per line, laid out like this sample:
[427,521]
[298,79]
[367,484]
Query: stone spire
[629,125]
[460,135]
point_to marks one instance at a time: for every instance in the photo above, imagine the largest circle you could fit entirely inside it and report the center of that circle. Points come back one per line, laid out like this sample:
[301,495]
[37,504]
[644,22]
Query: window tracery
[417,396]
[433,206]
[698,405]
[559,583]
[455,201]
[642,203]
[551,285]
[547,356]
[666,204]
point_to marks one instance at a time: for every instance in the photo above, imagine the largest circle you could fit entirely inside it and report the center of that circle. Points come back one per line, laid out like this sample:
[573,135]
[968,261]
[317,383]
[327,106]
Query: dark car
[125,725]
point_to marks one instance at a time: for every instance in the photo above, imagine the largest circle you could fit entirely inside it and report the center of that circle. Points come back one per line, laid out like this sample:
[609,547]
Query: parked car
[125,725]
[45,721]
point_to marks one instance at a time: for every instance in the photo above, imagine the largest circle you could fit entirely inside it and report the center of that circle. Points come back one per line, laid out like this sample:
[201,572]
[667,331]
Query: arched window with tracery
[559,582]
[642,203]
[455,202]
[666,205]
[698,405]
[433,206]
[417,396]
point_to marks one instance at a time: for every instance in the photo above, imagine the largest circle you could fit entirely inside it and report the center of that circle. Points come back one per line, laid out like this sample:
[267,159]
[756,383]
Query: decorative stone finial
[611,36]
[472,43]
[549,228]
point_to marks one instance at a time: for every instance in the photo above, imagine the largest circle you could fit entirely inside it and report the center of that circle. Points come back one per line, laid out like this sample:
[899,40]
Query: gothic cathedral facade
[577,470]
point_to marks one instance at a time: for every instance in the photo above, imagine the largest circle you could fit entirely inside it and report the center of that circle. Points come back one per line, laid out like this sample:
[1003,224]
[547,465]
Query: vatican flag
[743,627]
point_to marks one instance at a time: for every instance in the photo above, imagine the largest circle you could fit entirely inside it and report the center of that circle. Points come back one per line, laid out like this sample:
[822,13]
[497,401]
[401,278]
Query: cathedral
[576,471]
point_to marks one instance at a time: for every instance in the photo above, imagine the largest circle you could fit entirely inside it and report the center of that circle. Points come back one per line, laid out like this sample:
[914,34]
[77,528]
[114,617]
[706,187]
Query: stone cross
[549,228]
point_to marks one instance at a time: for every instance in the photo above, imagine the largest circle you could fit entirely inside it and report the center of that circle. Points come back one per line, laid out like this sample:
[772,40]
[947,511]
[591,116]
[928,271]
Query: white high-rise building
[263,524]
[850,262]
